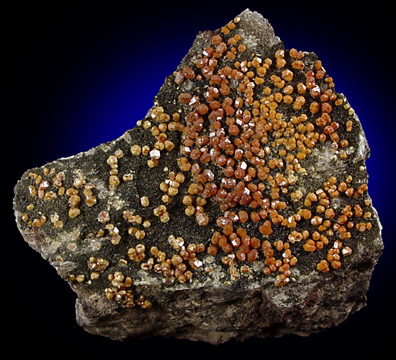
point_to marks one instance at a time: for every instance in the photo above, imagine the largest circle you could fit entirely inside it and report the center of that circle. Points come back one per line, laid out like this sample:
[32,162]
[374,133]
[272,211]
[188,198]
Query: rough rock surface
[238,207]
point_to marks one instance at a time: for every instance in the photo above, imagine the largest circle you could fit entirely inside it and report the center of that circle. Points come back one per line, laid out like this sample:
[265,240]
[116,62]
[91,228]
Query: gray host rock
[237,207]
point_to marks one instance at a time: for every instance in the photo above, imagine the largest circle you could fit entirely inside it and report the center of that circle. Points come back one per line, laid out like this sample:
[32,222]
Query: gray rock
[150,232]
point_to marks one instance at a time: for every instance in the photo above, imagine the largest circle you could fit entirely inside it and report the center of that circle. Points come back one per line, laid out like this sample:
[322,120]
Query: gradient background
[82,75]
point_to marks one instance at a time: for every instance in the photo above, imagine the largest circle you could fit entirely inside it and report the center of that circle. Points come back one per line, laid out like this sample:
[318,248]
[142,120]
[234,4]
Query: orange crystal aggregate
[250,125]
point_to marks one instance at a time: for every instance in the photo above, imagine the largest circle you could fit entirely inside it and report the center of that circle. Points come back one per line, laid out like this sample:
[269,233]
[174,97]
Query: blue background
[82,75]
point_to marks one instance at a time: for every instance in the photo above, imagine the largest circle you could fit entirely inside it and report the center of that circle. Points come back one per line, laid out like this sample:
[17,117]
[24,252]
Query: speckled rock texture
[237,207]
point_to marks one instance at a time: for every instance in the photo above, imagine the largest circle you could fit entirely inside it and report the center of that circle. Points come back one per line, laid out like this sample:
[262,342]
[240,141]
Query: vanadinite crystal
[237,207]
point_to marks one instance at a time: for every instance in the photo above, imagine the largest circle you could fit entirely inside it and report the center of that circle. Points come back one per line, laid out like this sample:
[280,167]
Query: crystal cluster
[244,189]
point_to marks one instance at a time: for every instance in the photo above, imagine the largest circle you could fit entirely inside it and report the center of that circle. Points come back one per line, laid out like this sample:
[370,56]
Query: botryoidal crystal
[237,207]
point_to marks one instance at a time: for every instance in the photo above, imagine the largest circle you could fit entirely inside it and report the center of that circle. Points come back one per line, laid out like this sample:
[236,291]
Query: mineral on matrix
[237,207]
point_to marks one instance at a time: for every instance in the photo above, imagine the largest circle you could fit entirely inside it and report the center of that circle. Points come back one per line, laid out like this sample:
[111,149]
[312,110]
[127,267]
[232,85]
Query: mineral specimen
[237,207]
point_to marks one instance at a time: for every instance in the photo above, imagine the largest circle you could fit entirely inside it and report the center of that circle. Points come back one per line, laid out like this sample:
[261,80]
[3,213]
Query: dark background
[81,75]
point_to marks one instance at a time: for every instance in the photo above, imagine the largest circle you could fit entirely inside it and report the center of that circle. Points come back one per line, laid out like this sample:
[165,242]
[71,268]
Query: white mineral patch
[64,268]
[101,187]
[96,243]
[187,85]
[73,236]
[362,150]
[249,40]
[282,300]
[116,202]
[127,137]
[146,278]
[324,159]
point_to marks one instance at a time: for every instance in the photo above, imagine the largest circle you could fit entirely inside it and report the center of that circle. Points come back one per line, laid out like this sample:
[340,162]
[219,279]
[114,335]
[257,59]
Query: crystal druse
[237,207]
